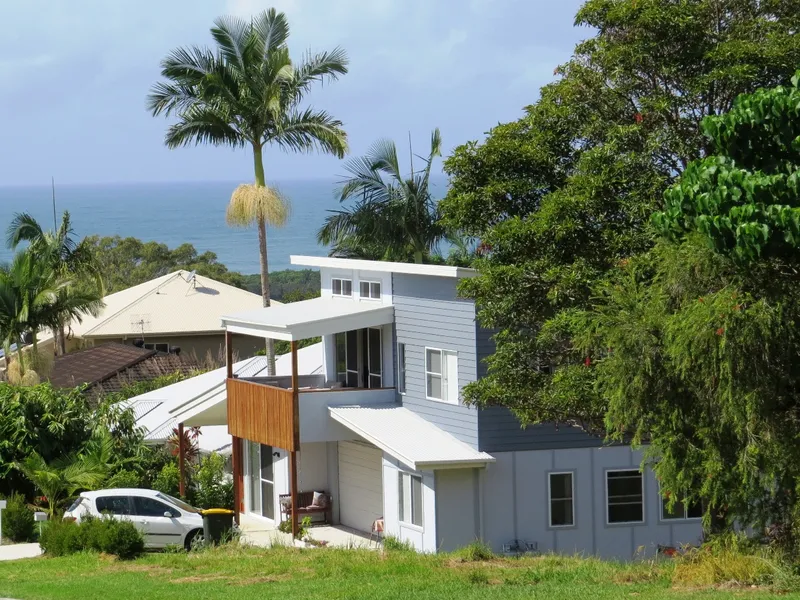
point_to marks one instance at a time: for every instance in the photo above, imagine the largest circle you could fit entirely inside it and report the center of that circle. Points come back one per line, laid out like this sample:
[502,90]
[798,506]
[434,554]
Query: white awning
[408,437]
[309,318]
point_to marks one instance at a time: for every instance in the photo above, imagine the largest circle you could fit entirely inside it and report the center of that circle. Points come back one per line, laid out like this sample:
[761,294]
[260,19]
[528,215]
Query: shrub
[112,536]
[124,479]
[475,552]
[394,544]
[211,487]
[18,523]
[730,558]
[168,480]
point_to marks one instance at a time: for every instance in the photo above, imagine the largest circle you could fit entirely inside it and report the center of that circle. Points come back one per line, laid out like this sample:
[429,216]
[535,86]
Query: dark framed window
[624,496]
[562,501]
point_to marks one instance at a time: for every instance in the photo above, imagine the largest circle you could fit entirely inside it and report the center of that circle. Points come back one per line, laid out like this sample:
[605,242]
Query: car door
[159,530]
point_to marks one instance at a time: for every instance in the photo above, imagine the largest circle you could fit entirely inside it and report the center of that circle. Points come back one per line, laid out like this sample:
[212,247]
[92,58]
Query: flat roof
[382,266]
[409,438]
[309,318]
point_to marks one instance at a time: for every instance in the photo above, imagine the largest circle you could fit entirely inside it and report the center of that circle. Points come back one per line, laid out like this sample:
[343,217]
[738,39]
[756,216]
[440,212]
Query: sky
[74,75]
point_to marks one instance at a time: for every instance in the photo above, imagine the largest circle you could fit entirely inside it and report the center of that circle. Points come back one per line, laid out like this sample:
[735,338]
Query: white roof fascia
[382,266]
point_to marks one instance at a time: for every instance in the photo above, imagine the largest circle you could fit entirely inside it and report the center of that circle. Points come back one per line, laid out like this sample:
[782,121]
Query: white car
[162,519]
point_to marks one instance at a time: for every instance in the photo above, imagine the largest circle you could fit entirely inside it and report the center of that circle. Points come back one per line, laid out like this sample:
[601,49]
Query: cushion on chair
[320,500]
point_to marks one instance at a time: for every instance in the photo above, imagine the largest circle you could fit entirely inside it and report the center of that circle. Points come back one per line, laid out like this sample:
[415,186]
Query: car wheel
[195,540]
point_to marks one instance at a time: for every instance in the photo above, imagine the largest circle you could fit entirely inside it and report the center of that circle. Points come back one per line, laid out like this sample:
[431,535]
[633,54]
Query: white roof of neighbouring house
[176,303]
[408,437]
[155,410]
[309,318]
[380,266]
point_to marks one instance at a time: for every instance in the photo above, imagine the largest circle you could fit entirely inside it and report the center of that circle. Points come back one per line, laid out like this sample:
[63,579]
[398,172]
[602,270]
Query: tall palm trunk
[262,251]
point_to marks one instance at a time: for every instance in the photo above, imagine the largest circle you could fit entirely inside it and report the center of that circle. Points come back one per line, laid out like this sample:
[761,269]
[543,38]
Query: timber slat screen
[261,413]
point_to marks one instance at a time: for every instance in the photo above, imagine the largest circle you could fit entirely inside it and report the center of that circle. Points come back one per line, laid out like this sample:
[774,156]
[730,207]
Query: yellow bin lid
[216,511]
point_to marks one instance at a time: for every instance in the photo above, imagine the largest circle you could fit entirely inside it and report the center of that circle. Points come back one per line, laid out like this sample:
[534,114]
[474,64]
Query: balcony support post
[293,453]
[236,443]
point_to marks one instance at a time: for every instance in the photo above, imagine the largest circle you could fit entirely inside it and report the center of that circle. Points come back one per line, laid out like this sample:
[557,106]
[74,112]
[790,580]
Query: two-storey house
[384,429]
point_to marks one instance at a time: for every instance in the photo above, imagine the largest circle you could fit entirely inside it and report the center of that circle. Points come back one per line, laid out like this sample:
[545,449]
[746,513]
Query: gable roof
[171,304]
[107,367]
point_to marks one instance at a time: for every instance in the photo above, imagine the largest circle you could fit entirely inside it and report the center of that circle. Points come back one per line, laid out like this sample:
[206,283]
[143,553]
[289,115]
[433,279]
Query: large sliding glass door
[262,479]
[359,358]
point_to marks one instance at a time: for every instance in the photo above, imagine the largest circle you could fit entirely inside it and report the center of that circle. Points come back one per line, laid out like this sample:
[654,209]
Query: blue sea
[177,213]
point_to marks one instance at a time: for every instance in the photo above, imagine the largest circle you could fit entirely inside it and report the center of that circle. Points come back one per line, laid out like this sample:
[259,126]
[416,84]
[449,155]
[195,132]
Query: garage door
[360,485]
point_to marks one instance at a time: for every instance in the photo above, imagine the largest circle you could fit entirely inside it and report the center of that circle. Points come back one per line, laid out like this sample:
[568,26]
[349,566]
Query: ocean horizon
[181,212]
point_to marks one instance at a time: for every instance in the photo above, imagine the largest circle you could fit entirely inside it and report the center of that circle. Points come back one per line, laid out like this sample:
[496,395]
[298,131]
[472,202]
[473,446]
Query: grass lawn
[241,573]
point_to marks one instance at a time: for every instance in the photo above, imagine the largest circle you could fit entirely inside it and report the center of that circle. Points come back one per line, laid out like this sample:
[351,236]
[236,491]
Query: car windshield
[179,503]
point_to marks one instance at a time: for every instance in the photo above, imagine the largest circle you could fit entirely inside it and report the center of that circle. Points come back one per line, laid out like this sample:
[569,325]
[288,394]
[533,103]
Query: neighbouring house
[384,431]
[178,311]
[154,410]
[109,367]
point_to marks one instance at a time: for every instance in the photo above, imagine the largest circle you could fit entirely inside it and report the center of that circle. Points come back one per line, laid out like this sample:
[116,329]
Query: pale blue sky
[74,75]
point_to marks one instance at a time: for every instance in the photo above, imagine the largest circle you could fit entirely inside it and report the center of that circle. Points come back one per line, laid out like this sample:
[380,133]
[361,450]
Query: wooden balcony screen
[262,413]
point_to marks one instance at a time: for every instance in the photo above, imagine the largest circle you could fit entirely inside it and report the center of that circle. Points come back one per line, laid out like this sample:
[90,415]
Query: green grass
[242,573]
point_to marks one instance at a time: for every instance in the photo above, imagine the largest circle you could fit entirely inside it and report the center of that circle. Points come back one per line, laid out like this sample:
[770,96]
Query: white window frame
[155,346]
[401,369]
[443,375]
[408,476]
[550,499]
[341,294]
[370,283]
[666,519]
[608,506]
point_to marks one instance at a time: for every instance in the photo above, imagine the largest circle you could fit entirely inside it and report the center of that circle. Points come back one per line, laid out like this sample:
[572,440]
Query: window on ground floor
[624,496]
[410,494]
[562,504]
[681,509]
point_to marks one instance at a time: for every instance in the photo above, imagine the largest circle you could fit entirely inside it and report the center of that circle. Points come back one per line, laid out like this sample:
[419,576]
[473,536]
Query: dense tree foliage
[695,344]
[561,197]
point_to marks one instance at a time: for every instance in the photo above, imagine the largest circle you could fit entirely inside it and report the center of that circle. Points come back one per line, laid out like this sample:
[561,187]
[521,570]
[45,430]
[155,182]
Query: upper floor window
[562,504]
[341,287]
[401,368]
[370,290]
[160,347]
[624,496]
[441,375]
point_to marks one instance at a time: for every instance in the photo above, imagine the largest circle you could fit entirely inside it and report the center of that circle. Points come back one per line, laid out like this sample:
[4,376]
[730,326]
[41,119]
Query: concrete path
[17,551]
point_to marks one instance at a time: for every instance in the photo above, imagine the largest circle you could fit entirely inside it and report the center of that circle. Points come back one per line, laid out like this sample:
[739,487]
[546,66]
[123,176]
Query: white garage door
[360,485]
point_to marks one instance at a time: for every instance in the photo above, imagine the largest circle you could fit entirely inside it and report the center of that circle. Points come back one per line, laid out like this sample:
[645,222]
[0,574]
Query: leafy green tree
[250,93]
[560,198]
[76,281]
[394,216]
[694,344]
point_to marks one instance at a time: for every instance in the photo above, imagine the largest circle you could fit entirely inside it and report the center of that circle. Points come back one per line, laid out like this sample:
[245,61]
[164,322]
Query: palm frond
[203,125]
[23,228]
[320,67]
[272,28]
[232,36]
[307,130]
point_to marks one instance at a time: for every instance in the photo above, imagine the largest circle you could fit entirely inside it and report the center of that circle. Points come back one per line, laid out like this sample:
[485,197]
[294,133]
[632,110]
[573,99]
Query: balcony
[262,409]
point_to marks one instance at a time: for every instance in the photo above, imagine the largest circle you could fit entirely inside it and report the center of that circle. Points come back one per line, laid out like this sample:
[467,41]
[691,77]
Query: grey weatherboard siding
[429,313]
[500,431]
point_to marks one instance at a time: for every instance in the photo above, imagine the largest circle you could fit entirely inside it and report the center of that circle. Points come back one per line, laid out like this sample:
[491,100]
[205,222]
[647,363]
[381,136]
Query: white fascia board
[378,266]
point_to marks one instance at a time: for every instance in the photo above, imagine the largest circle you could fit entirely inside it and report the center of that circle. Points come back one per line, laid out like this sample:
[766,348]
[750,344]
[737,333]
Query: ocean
[177,213]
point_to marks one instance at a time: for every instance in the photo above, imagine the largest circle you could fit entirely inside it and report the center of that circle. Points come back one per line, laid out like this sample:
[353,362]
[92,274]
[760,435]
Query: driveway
[17,551]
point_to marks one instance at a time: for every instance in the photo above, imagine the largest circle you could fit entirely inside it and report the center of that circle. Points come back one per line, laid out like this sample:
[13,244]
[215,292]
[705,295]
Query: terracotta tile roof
[108,367]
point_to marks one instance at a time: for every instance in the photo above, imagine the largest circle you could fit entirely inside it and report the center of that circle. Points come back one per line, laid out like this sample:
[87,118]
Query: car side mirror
[167,514]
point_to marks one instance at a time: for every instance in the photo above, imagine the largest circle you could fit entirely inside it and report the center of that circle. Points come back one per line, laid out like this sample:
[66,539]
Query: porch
[261,533]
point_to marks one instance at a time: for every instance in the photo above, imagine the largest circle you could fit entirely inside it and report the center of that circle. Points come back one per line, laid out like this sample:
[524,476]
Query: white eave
[308,318]
[378,266]
[409,438]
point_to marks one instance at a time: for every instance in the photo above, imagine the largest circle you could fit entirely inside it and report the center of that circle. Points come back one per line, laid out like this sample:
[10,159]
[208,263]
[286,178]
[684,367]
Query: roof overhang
[309,318]
[408,437]
[381,266]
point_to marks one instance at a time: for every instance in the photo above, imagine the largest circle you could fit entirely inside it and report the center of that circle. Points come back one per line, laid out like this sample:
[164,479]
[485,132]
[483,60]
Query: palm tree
[249,93]
[394,216]
[75,269]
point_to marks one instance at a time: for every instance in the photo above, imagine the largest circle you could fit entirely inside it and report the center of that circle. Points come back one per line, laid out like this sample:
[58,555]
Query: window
[410,494]
[341,287]
[624,497]
[401,368]
[160,347]
[681,510]
[441,375]
[347,358]
[150,507]
[370,290]
[562,507]
[115,505]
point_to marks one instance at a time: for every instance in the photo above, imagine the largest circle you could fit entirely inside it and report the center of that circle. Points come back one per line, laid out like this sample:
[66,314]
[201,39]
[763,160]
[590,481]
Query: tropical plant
[249,93]
[62,477]
[76,279]
[394,216]
[191,444]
